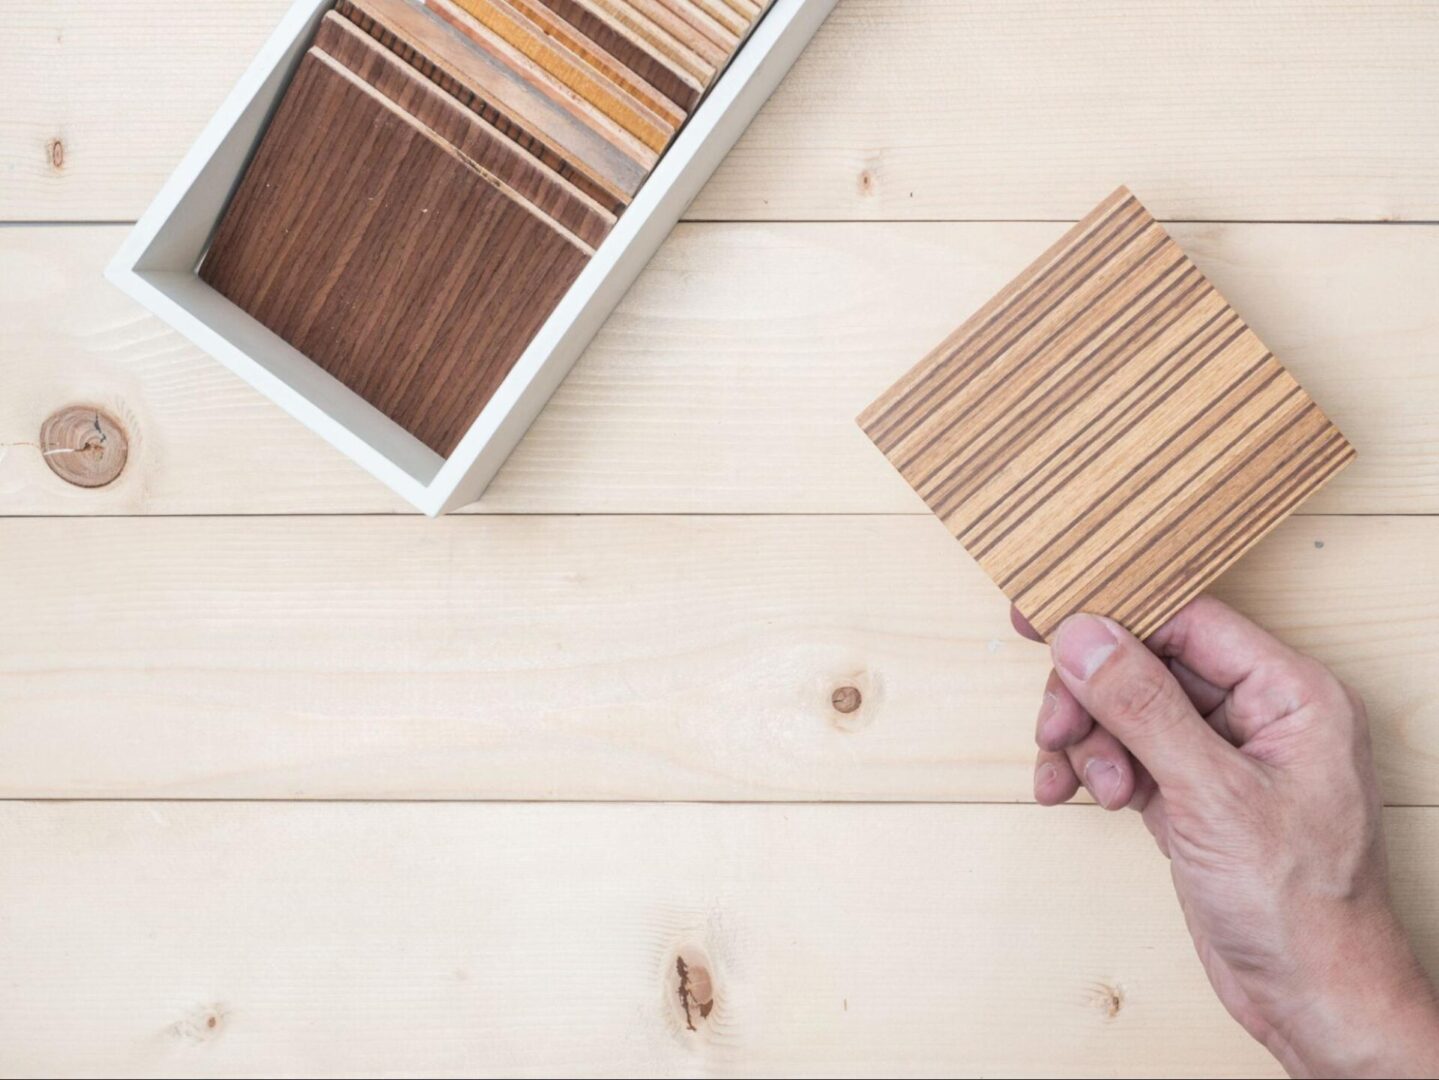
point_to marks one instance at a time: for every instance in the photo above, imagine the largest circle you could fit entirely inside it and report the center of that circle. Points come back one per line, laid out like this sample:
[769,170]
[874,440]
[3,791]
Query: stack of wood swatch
[438,173]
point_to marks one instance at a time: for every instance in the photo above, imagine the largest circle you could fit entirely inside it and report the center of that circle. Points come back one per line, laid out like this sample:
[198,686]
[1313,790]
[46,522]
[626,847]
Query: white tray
[156,265]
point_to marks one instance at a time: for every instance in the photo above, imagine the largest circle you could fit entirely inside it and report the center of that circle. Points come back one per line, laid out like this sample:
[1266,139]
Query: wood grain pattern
[660,414]
[463,129]
[685,22]
[677,84]
[661,42]
[1106,434]
[988,89]
[446,940]
[562,33]
[723,23]
[627,657]
[560,75]
[501,97]
[397,265]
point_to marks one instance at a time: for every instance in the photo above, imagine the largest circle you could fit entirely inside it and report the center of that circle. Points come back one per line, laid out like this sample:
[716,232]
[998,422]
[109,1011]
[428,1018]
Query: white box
[157,264]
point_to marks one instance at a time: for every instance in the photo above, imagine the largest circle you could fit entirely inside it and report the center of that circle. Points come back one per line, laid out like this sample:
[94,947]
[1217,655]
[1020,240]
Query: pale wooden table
[299,783]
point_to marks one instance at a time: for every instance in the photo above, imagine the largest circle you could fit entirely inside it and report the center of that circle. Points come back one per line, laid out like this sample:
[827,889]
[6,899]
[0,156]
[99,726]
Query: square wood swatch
[369,244]
[1106,434]
[503,97]
[465,130]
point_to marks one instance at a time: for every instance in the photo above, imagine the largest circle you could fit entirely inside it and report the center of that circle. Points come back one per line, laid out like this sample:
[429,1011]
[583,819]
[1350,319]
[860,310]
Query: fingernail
[1082,645]
[1044,775]
[1046,710]
[1102,780]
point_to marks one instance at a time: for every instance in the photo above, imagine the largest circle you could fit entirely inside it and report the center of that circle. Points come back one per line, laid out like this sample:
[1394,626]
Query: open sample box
[411,217]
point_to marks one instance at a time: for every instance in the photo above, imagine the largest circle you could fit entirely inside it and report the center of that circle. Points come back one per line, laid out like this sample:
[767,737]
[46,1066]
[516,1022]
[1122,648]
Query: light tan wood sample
[686,23]
[501,96]
[722,22]
[1106,434]
[670,79]
[466,131]
[390,260]
[561,76]
[548,22]
[660,41]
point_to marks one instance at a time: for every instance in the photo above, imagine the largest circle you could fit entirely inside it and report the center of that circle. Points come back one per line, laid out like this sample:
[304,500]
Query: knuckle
[1139,698]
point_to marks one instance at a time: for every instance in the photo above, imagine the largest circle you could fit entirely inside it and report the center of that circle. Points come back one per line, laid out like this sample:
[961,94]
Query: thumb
[1129,691]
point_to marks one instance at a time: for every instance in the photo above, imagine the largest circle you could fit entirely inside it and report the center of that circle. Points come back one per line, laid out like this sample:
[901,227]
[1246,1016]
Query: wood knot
[84,446]
[55,151]
[846,699]
[1108,998]
[693,989]
[868,182]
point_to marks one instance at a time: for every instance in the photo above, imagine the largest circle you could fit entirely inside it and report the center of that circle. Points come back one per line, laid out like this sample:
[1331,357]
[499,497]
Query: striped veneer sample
[566,36]
[1106,434]
[501,96]
[463,129]
[670,79]
[560,75]
[370,245]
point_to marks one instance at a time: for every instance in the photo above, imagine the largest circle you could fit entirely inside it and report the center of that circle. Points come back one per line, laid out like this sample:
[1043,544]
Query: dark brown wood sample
[370,245]
[501,96]
[1106,434]
[463,129]
[669,79]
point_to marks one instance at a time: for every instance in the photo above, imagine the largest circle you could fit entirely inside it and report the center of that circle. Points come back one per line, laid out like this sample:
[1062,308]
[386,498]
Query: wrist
[1364,1008]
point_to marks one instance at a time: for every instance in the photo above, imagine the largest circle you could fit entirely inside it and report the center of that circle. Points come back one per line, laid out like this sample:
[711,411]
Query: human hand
[1251,766]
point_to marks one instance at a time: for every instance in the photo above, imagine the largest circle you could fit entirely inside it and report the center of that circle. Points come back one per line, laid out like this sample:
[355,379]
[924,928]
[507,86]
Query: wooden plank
[561,76]
[465,940]
[1106,434]
[476,139]
[728,379]
[1158,95]
[503,97]
[597,657]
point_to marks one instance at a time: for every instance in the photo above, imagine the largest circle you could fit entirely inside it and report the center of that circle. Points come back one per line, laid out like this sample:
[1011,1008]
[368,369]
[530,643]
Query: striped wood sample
[502,97]
[561,76]
[463,129]
[669,79]
[1106,434]
[386,257]
[534,14]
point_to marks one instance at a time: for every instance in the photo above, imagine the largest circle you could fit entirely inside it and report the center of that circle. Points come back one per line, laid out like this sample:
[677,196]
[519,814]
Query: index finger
[1218,644]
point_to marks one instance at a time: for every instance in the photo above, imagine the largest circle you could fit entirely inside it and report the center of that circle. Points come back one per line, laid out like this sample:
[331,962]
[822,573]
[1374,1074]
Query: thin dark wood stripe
[955,365]
[1310,459]
[1108,513]
[1176,513]
[1074,379]
[1015,363]
[996,307]
[1155,393]
[1153,455]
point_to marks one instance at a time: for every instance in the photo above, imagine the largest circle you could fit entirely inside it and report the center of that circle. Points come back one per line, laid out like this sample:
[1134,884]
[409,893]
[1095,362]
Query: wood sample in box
[1106,434]
[408,290]
[434,180]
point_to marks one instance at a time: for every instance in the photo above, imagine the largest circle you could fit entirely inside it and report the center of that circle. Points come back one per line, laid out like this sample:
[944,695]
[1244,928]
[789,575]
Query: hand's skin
[1251,766]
